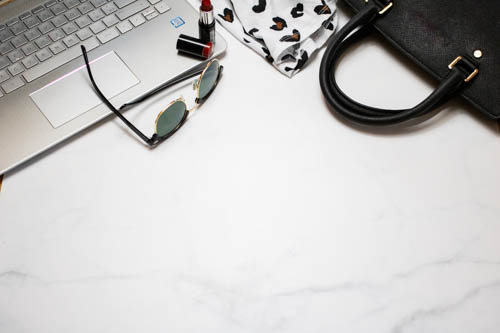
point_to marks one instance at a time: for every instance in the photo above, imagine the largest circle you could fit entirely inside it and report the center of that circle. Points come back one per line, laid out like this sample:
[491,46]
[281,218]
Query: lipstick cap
[194,46]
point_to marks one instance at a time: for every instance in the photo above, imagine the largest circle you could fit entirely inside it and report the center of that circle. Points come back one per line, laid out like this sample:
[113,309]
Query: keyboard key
[4,62]
[96,15]
[162,7]
[43,41]
[69,28]
[12,21]
[110,20]
[50,3]
[137,20]
[19,41]
[59,21]
[98,3]
[32,21]
[15,56]
[24,15]
[29,48]
[108,35]
[56,35]
[71,41]
[72,14]
[71,3]
[154,2]
[97,27]
[148,11]
[37,9]
[5,35]
[124,26]
[4,76]
[32,34]
[83,21]
[43,54]
[2,26]
[109,8]
[152,15]
[85,8]
[134,8]
[46,27]
[30,62]
[57,47]
[84,34]
[123,3]
[18,28]
[59,60]
[45,15]
[58,9]
[13,84]
[15,69]
[5,48]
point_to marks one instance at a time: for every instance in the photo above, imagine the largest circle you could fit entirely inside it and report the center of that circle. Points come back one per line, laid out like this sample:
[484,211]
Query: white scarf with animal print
[285,32]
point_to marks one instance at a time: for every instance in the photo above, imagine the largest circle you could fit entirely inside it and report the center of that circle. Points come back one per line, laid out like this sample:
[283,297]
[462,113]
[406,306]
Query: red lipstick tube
[207,22]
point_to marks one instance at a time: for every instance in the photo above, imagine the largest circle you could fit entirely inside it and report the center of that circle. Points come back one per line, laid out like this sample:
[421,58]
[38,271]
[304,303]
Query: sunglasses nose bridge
[194,108]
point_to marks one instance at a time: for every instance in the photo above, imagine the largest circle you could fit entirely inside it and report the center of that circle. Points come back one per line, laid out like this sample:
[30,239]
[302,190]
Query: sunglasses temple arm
[109,105]
[169,83]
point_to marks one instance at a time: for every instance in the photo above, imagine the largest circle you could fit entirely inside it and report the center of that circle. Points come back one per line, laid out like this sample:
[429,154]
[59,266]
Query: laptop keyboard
[49,36]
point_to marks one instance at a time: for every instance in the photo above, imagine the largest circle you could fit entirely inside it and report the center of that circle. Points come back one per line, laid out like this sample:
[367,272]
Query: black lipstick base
[207,32]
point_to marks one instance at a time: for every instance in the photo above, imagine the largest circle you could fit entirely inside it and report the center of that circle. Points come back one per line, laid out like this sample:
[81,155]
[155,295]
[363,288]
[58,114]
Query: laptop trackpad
[72,95]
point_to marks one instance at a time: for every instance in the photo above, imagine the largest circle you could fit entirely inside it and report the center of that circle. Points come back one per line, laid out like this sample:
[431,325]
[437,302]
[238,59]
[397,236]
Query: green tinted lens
[209,80]
[170,118]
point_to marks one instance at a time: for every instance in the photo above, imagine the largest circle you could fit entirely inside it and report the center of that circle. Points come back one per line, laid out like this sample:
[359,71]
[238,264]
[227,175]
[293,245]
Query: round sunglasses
[170,119]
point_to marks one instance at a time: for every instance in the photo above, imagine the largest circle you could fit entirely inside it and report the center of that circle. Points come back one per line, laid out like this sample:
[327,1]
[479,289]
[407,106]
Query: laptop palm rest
[72,94]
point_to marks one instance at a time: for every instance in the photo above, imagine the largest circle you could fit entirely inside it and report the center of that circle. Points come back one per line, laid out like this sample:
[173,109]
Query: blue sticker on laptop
[177,22]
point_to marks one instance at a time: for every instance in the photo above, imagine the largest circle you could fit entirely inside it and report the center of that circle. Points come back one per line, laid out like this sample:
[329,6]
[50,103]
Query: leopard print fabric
[285,32]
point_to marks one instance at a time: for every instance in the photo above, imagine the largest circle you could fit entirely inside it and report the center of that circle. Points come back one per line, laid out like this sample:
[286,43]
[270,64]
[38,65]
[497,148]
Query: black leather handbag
[456,41]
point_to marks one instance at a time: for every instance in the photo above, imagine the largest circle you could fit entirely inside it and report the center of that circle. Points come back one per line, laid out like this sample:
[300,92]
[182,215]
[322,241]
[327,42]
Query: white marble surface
[266,213]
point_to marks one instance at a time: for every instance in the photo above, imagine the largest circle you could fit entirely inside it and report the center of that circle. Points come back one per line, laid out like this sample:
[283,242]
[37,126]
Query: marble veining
[265,214]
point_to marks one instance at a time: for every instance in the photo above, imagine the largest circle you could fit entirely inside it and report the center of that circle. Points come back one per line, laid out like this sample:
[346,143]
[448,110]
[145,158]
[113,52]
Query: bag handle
[462,70]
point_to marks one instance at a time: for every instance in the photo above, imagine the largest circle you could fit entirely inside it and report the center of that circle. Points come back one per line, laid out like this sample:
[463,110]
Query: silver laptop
[45,96]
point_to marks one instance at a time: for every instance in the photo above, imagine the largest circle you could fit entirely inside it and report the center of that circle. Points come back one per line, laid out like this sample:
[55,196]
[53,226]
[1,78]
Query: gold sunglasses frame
[181,99]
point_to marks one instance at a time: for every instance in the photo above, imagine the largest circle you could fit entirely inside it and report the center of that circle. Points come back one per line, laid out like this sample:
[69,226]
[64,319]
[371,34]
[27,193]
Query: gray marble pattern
[265,213]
